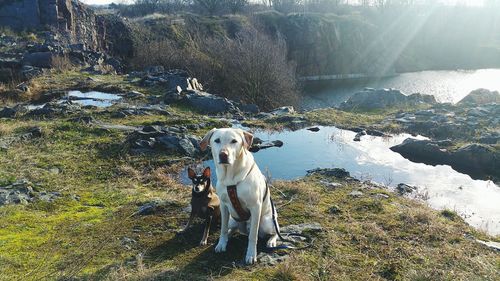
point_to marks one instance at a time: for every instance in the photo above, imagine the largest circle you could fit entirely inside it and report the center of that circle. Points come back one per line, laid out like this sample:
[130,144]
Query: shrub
[254,68]
[250,68]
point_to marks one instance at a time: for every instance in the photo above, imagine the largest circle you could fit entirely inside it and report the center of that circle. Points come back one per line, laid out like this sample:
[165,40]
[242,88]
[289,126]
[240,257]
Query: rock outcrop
[481,96]
[477,160]
[370,99]
[24,192]
[171,140]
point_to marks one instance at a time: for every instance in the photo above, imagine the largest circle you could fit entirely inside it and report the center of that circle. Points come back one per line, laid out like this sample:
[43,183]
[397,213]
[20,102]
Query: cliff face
[74,21]
[328,44]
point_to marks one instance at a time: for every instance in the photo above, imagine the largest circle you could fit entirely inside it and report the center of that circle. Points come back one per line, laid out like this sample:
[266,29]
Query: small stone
[300,228]
[331,185]
[313,129]
[54,170]
[271,259]
[403,189]
[358,136]
[356,193]
[146,209]
[334,210]
[381,196]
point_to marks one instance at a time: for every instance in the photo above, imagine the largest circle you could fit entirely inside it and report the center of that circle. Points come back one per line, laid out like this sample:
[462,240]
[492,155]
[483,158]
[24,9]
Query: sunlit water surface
[446,86]
[94,98]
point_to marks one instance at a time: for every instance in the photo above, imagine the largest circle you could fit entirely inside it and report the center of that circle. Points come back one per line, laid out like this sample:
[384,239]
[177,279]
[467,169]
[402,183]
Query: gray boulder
[403,189]
[283,110]
[19,192]
[29,72]
[53,109]
[249,108]
[370,99]
[478,160]
[171,140]
[8,112]
[39,59]
[208,103]
[22,192]
[31,133]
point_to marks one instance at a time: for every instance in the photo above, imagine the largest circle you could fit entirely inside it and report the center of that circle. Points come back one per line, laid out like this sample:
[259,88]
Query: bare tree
[254,69]
[210,6]
[236,5]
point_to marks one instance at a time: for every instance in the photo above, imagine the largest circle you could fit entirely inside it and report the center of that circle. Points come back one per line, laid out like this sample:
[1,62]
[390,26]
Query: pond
[371,159]
[446,86]
[93,98]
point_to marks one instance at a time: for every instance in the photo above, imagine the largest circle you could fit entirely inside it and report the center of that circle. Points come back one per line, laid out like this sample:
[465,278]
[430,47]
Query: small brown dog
[205,203]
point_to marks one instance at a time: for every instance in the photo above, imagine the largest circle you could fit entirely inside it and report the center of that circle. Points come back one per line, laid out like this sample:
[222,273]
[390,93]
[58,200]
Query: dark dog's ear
[206,172]
[206,139]
[247,138]
[191,173]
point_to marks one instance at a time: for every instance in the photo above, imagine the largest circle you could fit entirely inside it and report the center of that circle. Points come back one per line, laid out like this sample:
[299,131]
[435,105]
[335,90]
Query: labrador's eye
[234,141]
[217,140]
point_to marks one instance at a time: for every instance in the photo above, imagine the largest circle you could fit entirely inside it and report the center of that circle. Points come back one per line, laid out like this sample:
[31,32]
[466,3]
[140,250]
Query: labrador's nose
[223,157]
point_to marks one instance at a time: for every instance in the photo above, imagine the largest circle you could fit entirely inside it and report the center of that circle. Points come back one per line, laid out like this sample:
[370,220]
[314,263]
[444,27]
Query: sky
[100,2]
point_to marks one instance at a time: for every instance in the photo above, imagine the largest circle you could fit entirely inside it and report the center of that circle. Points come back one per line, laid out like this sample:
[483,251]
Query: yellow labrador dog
[236,168]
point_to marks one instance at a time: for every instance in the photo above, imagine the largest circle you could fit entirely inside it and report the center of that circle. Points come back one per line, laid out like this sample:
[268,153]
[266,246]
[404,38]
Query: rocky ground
[93,193]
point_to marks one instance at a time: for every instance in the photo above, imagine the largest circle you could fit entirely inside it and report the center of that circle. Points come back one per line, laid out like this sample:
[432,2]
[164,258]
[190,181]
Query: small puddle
[93,98]
[371,159]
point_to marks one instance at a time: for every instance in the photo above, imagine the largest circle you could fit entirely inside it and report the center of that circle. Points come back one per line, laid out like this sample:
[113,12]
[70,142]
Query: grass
[371,238]
[333,117]
[91,233]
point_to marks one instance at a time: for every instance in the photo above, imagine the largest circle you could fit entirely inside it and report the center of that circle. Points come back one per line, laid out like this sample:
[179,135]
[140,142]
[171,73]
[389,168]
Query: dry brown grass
[61,63]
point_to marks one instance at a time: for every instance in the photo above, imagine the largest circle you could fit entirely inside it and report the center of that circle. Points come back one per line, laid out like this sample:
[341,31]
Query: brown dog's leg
[191,217]
[203,241]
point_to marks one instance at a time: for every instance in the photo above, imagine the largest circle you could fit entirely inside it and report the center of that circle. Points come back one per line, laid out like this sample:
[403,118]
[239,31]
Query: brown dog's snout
[223,157]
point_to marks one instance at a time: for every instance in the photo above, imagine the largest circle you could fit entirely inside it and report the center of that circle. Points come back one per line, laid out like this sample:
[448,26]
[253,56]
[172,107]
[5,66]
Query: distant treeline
[214,7]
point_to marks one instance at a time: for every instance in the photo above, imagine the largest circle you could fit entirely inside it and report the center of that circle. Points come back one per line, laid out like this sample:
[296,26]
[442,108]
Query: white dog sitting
[242,189]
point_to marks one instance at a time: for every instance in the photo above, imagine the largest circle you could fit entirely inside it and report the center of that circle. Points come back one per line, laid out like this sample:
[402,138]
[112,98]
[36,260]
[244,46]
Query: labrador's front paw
[221,246]
[271,243]
[203,242]
[251,257]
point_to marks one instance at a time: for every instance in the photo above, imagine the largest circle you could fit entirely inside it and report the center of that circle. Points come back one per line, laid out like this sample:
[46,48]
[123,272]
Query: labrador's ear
[206,139]
[247,138]
[191,173]
[206,173]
